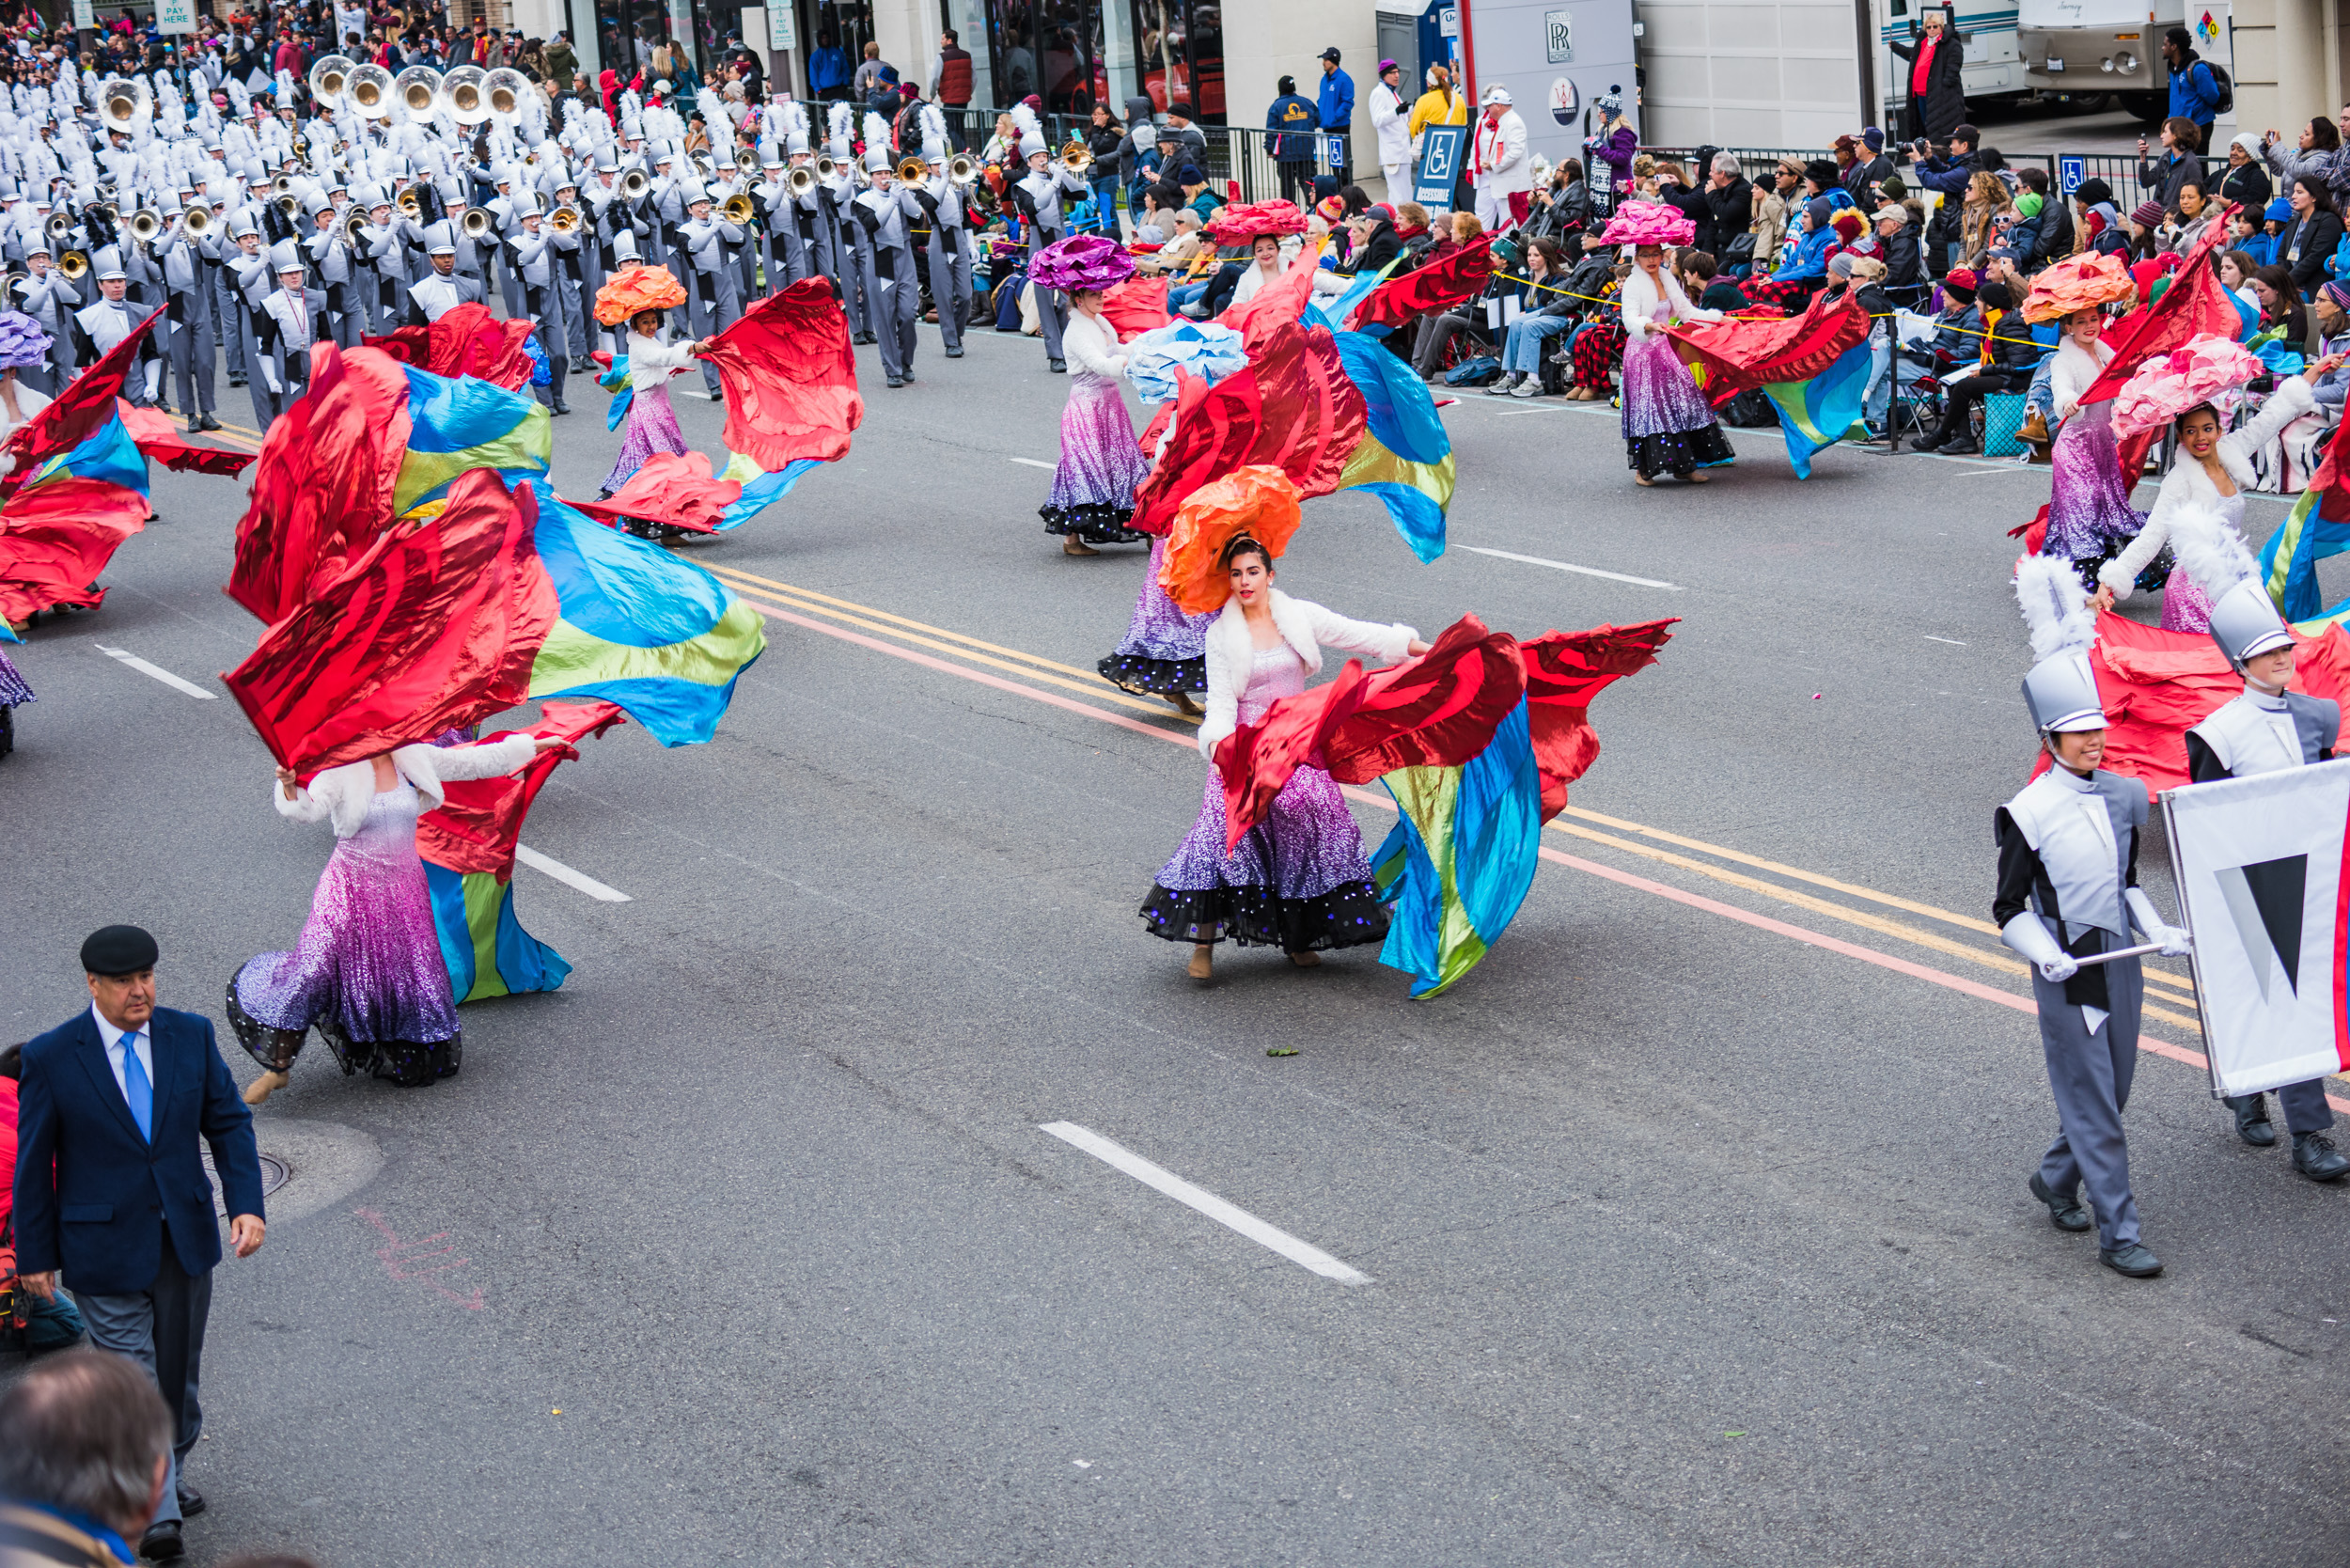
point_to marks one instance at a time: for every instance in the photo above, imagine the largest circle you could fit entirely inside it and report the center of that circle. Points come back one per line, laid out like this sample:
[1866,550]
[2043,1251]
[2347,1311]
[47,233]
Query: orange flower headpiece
[637,289]
[2076,283]
[1258,501]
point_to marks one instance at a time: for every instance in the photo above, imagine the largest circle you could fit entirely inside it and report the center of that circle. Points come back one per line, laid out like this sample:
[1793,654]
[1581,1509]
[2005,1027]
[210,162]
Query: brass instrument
[103,210]
[635,183]
[288,204]
[464,95]
[704,170]
[198,221]
[476,223]
[826,168]
[748,161]
[123,105]
[146,225]
[356,230]
[58,226]
[410,206]
[802,180]
[961,171]
[1075,156]
[738,210]
[282,184]
[506,87]
[565,219]
[913,171]
[418,87]
[331,76]
[74,265]
[371,91]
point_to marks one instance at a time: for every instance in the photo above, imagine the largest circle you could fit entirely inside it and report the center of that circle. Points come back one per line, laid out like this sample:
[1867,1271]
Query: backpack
[1749,410]
[1474,372]
[2222,86]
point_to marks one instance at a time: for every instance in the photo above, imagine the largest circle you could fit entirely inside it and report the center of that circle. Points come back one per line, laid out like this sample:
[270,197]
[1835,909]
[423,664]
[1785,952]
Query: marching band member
[703,245]
[330,260]
[849,263]
[46,295]
[443,288]
[779,236]
[2265,730]
[289,323]
[2067,892]
[106,322]
[576,273]
[817,253]
[250,269]
[388,267]
[191,317]
[1039,197]
[532,262]
[883,211]
[949,249]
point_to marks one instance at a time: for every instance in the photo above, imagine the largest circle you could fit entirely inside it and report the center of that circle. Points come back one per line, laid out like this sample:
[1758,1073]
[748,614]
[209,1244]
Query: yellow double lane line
[1030,666]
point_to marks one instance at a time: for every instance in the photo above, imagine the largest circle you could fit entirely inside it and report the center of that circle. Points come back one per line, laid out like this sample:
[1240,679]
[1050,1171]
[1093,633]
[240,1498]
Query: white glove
[2175,943]
[2029,938]
[270,377]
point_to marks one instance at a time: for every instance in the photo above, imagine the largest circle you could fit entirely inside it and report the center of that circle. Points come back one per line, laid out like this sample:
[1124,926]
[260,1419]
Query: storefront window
[1074,54]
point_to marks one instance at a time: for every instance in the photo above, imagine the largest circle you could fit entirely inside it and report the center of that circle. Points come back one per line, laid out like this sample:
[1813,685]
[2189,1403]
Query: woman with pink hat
[1669,427]
[2184,389]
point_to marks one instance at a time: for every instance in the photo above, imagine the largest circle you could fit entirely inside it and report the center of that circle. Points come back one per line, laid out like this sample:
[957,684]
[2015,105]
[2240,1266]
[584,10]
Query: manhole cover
[274,1174]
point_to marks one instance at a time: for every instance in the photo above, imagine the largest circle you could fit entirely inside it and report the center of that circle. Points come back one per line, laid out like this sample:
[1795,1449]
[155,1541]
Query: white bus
[2082,47]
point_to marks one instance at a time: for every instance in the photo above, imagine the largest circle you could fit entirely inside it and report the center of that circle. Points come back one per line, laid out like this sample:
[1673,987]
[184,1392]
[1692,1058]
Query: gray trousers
[712,305]
[344,322]
[544,302]
[578,300]
[162,1328]
[897,306]
[856,277]
[2091,1076]
[949,257]
[2306,1110]
[1050,312]
[191,352]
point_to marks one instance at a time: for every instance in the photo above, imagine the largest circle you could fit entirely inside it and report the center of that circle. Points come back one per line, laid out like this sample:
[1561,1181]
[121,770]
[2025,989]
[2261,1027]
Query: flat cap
[119,951]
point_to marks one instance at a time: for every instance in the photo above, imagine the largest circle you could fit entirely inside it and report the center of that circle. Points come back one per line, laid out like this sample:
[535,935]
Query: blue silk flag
[1405,456]
[1821,412]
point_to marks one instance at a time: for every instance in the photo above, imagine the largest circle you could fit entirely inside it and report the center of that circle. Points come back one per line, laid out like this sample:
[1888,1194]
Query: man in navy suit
[110,1186]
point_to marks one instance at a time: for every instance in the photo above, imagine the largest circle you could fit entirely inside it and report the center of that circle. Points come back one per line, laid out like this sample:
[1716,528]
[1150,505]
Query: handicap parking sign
[2070,173]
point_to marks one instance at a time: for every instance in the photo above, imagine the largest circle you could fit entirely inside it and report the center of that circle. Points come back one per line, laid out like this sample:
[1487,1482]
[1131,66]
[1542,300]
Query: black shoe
[2133,1260]
[908,376]
[191,1502]
[1959,447]
[561,408]
[2315,1156]
[1059,367]
[581,364]
[2251,1120]
[954,354]
[2066,1213]
[236,381]
[897,381]
[206,423]
[1928,443]
[867,339]
[161,1542]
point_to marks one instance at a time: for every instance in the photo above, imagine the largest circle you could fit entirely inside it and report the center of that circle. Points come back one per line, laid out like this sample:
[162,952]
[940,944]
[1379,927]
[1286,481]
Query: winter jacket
[2161,176]
[1335,100]
[2249,185]
[1730,212]
[1945,107]
[2195,92]
[1904,260]
[2304,248]
[1291,120]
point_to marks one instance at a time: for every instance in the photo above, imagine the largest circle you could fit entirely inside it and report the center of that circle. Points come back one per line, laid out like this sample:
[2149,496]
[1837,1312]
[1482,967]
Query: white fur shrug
[2187,485]
[341,794]
[1308,628]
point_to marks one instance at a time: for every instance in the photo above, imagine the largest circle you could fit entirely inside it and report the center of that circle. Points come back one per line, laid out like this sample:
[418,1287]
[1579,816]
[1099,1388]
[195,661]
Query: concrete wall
[2289,63]
[1749,72]
[1272,39]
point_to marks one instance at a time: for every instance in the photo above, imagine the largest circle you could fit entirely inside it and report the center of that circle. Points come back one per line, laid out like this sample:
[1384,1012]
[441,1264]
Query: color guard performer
[2068,892]
[1039,197]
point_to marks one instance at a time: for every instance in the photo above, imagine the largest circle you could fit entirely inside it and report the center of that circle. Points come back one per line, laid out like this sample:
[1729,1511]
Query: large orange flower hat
[637,289]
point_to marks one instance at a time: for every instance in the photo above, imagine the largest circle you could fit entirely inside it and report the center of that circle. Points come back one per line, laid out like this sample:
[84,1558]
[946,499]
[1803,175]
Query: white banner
[2260,868]
[84,15]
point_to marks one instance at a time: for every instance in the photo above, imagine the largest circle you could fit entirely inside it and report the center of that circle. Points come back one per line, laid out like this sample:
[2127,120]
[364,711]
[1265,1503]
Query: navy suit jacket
[94,1197]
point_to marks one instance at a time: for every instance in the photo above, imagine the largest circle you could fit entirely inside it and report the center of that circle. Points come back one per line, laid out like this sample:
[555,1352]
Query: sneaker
[1529,387]
[1501,388]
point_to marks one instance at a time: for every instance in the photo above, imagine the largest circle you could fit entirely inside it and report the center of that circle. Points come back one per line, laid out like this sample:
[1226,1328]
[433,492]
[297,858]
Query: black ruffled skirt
[1677,452]
[1094,522]
[1345,917]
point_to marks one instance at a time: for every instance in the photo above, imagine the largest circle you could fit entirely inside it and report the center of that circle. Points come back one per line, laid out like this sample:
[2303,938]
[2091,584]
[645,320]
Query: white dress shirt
[114,1040]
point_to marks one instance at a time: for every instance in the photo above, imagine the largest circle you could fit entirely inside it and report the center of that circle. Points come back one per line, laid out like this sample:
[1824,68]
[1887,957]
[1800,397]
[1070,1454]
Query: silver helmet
[2245,623]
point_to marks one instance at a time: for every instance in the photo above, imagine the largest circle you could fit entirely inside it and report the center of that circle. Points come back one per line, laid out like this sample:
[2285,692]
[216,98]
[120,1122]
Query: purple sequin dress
[2091,520]
[1101,463]
[14,694]
[1297,882]
[1667,425]
[2185,608]
[650,426]
[1165,650]
[367,969]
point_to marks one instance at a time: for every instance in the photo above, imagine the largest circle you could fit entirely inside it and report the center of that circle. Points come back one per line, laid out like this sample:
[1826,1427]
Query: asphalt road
[1692,1227]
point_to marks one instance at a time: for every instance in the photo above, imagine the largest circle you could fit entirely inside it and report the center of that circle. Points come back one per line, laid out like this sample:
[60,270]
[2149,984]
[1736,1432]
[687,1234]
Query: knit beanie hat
[1841,264]
[1848,223]
[1818,210]
[2028,204]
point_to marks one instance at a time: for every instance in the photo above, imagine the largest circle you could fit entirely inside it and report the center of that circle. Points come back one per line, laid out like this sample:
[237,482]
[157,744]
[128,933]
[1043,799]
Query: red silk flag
[1739,354]
[1294,407]
[434,626]
[672,488]
[1277,304]
[1135,306]
[790,374]
[481,820]
[75,414]
[1564,670]
[57,536]
[465,342]
[1257,759]
[322,486]
[1439,286]
[162,441]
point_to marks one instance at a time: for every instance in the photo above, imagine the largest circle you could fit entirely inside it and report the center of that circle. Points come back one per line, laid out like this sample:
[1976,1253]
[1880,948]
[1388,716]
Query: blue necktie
[137,1089]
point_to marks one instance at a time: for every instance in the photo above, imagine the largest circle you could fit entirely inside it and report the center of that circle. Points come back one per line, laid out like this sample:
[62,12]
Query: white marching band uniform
[196,207]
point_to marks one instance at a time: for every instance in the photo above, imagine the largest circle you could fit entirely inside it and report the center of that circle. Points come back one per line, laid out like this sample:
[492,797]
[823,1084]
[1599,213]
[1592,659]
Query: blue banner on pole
[1441,147]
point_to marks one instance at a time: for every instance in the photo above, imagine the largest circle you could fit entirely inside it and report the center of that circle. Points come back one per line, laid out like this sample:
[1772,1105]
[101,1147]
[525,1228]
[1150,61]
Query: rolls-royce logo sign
[1558,36]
